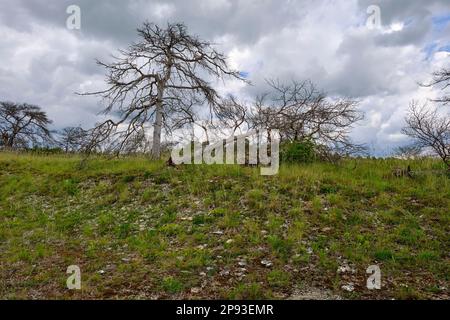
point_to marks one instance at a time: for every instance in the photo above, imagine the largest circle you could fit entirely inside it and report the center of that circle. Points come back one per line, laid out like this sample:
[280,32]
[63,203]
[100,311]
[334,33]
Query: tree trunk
[10,142]
[157,126]
[156,148]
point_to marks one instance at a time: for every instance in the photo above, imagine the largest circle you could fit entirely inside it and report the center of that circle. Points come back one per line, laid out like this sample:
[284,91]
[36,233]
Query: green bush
[298,152]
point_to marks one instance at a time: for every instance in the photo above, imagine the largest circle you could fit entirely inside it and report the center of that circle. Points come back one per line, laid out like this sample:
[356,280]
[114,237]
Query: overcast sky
[328,41]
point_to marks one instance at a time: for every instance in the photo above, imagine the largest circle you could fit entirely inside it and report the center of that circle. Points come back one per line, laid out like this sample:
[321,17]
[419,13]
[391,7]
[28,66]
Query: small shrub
[298,152]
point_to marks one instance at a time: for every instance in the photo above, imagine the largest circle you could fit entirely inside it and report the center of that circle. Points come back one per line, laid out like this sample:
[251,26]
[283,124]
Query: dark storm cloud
[117,19]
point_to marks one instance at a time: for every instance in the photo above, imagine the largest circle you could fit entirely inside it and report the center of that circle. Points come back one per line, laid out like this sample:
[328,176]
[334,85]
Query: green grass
[139,229]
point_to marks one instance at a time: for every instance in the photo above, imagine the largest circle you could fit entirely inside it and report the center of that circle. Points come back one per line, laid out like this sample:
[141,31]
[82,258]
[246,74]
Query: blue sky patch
[441,21]
[244,74]
[445,48]
[430,49]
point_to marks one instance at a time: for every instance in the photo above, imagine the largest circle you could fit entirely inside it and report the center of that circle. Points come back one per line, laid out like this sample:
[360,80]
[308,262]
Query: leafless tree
[408,152]
[23,125]
[163,68]
[72,139]
[301,112]
[429,129]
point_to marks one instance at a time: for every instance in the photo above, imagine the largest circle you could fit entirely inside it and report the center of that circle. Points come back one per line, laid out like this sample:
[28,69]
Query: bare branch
[441,79]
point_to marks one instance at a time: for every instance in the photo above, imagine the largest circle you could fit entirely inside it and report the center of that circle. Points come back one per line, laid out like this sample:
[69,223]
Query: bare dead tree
[429,129]
[408,152]
[23,125]
[72,139]
[303,113]
[153,74]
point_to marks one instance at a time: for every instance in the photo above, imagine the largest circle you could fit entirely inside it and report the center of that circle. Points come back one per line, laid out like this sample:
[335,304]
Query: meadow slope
[139,229]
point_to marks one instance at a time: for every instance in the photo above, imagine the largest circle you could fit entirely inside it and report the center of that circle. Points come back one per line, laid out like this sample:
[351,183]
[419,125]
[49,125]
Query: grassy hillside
[139,229]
